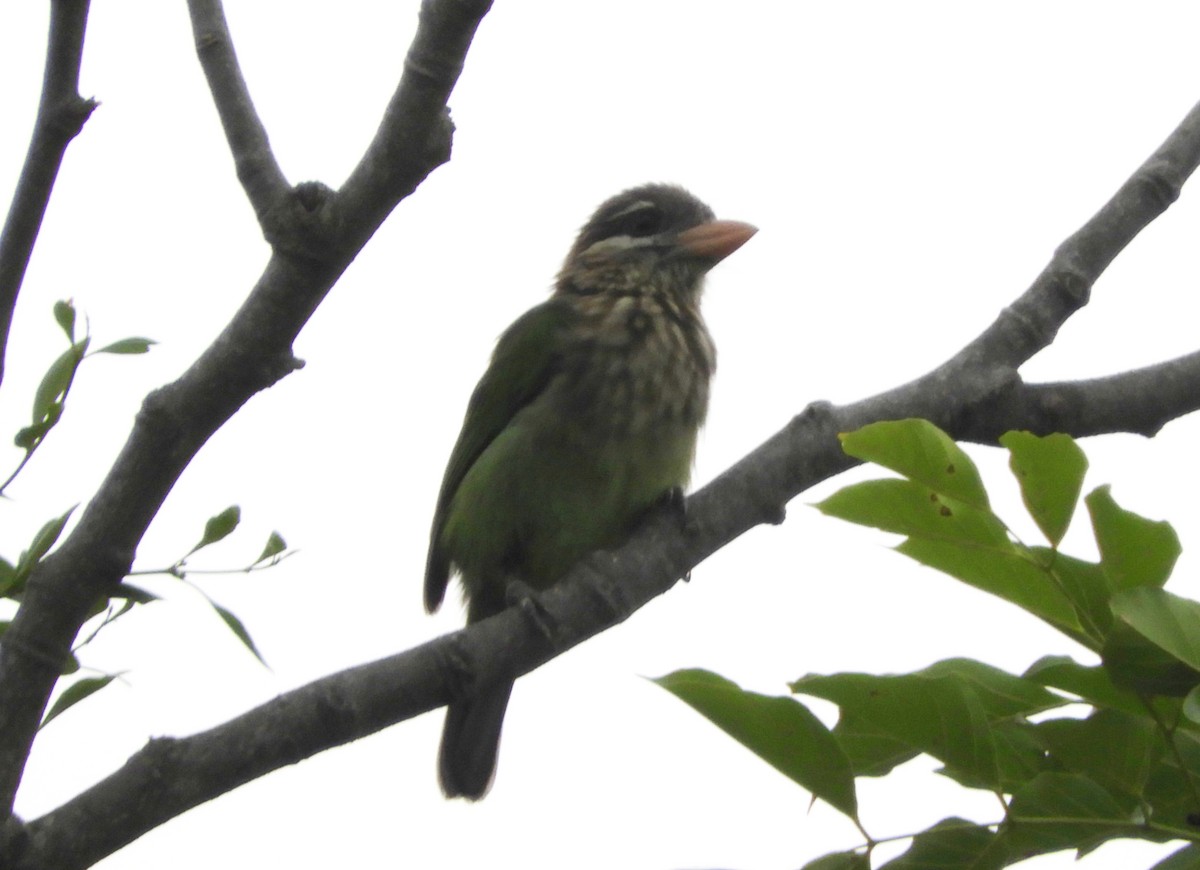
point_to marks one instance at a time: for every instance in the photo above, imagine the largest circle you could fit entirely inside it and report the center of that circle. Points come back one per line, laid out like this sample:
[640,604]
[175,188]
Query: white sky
[911,166]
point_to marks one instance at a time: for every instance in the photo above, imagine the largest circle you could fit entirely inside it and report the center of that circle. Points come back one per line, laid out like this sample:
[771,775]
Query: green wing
[525,359]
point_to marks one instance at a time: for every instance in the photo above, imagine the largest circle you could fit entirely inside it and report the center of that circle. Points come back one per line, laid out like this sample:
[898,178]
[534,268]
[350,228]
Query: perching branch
[313,244]
[976,395]
[61,115]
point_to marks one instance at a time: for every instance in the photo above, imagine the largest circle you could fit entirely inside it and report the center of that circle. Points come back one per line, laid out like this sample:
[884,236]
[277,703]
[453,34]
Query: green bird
[585,418]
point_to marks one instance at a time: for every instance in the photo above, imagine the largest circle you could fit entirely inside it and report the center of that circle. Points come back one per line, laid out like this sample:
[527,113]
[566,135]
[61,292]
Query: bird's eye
[643,222]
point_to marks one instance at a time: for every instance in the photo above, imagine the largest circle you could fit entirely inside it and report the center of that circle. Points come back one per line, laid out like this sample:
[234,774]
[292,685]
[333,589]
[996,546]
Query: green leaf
[1050,471]
[75,693]
[1134,551]
[57,381]
[136,594]
[1167,620]
[939,715]
[921,451]
[907,507]
[1113,749]
[1002,694]
[70,665]
[840,861]
[1171,790]
[219,527]
[1187,858]
[235,625]
[28,437]
[1092,684]
[275,545]
[1063,811]
[42,542]
[779,730]
[870,749]
[8,577]
[1015,576]
[1155,645]
[1087,587]
[64,313]
[951,843]
[1139,665]
[1019,756]
[128,345]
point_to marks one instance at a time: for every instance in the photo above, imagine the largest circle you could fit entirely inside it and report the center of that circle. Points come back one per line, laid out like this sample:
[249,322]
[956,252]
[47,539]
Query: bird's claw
[517,592]
[674,503]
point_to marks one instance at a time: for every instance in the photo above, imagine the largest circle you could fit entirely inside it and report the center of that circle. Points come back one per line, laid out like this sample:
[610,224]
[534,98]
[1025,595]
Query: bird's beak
[715,240]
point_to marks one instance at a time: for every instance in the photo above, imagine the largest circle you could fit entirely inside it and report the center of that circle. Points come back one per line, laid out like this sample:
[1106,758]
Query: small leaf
[275,545]
[64,313]
[29,437]
[235,625]
[907,507]
[781,731]
[42,542]
[921,451]
[70,665]
[75,693]
[1050,471]
[57,380]
[1134,551]
[135,594]
[950,843]
[219,527]
[128,345]
[8,577]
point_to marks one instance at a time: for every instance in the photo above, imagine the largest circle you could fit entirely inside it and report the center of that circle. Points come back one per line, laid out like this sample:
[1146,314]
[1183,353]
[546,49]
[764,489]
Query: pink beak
[716,240]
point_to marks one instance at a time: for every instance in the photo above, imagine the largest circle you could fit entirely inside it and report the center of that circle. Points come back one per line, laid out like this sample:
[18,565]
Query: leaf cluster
[48,406]
[1126,769]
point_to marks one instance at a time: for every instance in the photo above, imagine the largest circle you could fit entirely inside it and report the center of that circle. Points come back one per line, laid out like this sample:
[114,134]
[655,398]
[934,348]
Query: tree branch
[257,169]
[975,395]
[251,353]
[61,115]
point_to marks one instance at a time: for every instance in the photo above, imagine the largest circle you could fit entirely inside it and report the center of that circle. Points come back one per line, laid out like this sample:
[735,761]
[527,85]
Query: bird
[585,419]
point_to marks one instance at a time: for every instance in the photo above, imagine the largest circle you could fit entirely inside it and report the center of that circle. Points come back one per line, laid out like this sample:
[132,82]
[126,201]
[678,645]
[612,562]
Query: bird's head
[653,236]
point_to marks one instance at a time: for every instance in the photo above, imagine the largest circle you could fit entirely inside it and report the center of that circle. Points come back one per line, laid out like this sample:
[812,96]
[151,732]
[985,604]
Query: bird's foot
[674,504]
[517,592]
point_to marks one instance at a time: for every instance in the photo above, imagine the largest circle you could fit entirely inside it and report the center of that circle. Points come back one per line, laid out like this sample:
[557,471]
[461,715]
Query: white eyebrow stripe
[640,205]
[611,243]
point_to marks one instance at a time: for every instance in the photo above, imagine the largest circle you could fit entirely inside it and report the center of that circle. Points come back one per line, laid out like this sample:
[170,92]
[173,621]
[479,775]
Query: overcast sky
[911,166]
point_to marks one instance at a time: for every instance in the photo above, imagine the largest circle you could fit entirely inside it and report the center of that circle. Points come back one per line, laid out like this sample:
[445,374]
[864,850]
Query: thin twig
[257,169]
[61,115]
